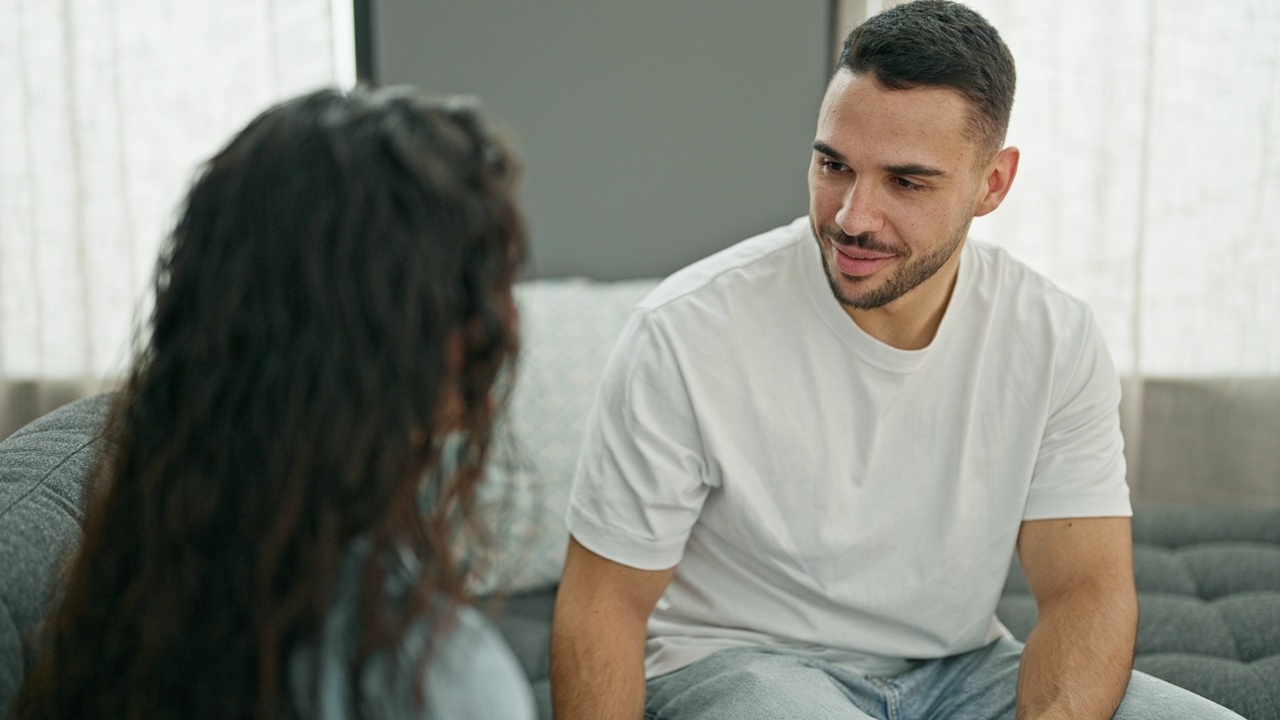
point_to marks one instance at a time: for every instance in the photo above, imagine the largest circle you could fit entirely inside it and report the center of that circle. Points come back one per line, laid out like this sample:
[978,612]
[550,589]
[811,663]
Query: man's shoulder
[733,271]
[1024,290]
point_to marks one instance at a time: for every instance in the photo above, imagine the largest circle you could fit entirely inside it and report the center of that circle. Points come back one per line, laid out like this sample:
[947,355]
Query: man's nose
[860,211]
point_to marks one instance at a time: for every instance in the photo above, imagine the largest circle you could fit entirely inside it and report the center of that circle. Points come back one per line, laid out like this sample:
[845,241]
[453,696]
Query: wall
[653,133]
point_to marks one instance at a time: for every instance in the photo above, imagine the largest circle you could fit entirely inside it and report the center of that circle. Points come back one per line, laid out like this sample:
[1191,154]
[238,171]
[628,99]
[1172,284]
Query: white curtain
[109,106]
[1150,178]
[1150,187]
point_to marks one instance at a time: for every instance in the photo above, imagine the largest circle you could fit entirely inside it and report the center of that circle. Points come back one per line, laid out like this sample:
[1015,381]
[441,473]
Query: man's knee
[1150,698]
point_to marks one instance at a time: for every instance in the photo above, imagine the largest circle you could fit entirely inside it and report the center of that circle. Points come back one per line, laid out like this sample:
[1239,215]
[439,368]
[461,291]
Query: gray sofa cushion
[42,468]
[1208,441]
[1209,603]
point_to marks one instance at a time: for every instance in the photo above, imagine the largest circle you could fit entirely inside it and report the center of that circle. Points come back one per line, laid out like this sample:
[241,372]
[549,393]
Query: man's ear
[999,179]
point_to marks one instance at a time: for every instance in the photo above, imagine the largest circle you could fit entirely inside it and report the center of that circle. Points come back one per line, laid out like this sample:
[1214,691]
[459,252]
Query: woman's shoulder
[472,673]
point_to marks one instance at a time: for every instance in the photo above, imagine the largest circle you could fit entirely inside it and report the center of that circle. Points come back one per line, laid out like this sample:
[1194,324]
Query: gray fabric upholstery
[42,467]
[1208,441]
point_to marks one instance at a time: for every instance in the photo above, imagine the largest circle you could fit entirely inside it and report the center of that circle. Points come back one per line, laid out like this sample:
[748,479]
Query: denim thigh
[768,683]
[983,684]
[754,682]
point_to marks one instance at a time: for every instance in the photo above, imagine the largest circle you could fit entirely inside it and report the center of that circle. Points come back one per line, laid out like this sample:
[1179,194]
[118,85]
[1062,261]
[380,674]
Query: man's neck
[911,322]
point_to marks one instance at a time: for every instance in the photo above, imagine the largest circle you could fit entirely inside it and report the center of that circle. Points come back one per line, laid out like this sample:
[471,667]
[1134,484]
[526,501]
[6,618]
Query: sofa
[1208,575]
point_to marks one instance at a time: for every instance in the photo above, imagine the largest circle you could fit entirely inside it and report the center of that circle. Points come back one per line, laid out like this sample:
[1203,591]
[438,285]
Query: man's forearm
[597,671]
[597,636]
[1078,659]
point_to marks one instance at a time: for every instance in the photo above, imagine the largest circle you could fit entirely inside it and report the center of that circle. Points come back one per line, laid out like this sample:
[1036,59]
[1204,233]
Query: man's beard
[909,274]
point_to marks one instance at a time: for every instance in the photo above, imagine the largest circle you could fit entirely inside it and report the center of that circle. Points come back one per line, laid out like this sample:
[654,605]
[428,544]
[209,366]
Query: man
[814,454]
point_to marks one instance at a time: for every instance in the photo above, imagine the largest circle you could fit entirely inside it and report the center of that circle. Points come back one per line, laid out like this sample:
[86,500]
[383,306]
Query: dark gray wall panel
[653,133]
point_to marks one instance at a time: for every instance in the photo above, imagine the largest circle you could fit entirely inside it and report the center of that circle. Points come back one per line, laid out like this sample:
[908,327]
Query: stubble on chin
[909,272]
[871,297]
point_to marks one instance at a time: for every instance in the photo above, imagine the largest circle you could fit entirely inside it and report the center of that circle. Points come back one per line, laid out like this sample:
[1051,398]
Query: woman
[280,529]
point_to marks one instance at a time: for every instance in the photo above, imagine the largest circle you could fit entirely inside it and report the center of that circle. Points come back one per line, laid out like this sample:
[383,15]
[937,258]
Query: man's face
[894,183]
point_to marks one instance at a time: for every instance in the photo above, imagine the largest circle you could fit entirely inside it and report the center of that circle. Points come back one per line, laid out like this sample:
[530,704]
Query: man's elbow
[1115,603]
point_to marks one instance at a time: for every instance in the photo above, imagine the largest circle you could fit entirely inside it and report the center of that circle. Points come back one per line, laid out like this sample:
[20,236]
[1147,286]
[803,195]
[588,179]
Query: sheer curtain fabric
[110,105]
[1150,187]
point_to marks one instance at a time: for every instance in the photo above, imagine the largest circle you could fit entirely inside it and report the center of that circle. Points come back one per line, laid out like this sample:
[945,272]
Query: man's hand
[1079,657]
[598,634]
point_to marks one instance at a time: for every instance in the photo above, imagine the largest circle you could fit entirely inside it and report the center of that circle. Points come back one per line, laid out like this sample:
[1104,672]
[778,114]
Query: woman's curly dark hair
[334,301]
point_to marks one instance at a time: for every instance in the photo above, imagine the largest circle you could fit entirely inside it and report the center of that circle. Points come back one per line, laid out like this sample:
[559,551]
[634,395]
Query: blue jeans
[757,682]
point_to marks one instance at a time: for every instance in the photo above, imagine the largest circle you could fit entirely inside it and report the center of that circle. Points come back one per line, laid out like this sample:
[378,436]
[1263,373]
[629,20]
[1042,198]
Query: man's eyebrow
[909,169]
[914,170]
[827,150]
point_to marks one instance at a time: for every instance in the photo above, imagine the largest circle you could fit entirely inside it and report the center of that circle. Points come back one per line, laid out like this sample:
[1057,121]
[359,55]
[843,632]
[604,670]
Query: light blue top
[472,674]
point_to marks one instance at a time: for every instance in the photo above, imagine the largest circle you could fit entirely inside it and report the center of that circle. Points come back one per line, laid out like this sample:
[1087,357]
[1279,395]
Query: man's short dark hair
[943,44]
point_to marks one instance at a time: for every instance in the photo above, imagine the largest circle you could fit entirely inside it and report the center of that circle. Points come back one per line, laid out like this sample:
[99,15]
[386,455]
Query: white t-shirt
[823,491]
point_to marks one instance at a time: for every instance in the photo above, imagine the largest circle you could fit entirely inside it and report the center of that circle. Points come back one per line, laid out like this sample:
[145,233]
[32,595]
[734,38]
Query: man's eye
[833,166]
[906,184]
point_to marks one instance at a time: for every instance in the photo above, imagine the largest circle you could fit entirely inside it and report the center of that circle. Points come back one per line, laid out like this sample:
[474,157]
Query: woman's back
[332,310]
[471,673]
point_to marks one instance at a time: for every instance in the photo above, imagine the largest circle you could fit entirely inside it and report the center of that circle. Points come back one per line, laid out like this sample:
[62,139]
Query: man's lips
[856,262]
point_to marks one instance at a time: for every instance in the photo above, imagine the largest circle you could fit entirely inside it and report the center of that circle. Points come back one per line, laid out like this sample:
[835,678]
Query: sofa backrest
[1206,441]
[42,472]
[568,330]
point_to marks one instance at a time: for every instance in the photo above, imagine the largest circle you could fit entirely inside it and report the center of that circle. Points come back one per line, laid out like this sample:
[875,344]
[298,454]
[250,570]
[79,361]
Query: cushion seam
[45,477]
[1231,631]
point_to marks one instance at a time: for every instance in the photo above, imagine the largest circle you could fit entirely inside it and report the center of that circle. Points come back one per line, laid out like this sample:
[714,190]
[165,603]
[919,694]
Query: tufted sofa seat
[1209,603]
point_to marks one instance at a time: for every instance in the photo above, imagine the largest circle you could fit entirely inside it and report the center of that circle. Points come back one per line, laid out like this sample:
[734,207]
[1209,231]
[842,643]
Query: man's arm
[598,635]
[1079,657]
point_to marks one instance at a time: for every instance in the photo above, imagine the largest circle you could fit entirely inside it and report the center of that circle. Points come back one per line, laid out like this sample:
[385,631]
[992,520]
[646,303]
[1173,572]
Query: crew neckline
[880,354]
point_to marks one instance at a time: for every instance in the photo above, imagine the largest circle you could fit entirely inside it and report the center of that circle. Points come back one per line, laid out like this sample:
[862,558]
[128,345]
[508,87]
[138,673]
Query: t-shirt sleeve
[1080,469]
[640,480]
